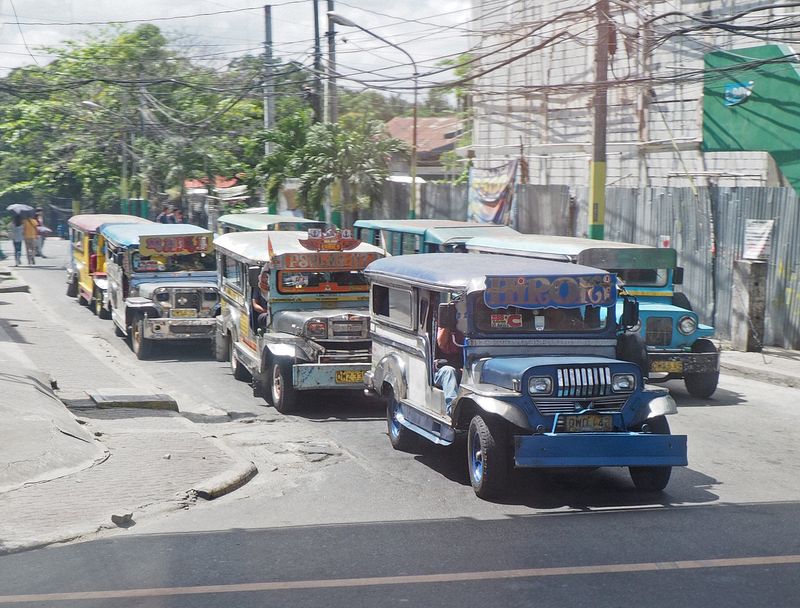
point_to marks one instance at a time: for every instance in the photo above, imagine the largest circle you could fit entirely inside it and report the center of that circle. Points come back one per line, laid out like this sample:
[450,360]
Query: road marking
[418,579]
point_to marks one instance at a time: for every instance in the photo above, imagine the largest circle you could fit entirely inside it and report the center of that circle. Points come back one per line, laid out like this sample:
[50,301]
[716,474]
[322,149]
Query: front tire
[704,384]
[220,348]
[142,347]
[401,438]
[72,288]
[487,457]
[284,395]
[652,479]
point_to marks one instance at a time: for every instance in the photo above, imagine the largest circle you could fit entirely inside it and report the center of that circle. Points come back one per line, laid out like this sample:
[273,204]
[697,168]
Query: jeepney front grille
[607,405]
[190,329]
[186,299]
[345,352]
[583,382]
[348,329]
[658,331]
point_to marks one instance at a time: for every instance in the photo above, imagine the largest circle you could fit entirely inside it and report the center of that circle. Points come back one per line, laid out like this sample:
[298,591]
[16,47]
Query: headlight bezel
[320,329]
[616,379]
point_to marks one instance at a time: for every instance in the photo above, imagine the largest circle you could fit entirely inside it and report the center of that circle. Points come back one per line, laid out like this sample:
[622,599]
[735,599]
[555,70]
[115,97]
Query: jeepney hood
[146,286]
[504,371]
[293,321]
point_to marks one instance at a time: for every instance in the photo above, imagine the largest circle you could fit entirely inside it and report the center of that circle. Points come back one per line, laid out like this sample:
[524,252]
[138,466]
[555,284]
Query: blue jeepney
[315,331]
[253,219]
[161,283]
[399,237]
[540,385]
[678,345]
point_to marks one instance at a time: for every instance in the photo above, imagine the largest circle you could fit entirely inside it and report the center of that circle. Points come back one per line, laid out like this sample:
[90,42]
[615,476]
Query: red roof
[434,134]
[219,182]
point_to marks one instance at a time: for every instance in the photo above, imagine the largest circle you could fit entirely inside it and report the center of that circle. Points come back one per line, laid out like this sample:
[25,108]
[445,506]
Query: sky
[428,30]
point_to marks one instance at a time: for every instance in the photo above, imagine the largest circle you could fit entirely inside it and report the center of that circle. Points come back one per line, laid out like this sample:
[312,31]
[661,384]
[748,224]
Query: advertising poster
[490,194]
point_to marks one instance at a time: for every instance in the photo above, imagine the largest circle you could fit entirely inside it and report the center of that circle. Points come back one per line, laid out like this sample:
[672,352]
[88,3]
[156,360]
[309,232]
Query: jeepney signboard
[324,261]
[572,291]
[178,244]
[329,240]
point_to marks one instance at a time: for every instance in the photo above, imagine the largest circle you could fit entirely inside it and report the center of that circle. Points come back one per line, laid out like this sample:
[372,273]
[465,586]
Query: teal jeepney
[541,385]
[678,345]
[314,331]
[161,283]
[249,221]
[399,237]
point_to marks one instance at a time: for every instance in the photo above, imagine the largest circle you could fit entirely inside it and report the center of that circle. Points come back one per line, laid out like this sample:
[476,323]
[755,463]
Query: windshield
[541,320]
[650,277]
[192,262]
[322,281]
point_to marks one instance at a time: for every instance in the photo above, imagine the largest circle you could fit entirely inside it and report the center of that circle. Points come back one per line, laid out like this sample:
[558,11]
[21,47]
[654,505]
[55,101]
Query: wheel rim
[277,388]
[394,423]
[476,457]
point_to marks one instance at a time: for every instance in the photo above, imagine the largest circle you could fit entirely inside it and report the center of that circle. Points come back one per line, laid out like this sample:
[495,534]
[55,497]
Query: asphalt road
[336,517]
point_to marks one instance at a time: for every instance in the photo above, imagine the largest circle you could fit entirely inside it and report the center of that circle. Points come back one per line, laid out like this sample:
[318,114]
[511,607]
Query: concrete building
[533,94]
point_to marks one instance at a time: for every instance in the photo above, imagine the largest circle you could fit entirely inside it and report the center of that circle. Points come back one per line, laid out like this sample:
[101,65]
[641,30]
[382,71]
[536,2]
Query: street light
[345,22]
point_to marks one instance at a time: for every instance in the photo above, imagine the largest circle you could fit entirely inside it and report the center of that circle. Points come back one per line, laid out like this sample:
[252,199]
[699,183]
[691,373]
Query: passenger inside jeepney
[260,301]
[448,363]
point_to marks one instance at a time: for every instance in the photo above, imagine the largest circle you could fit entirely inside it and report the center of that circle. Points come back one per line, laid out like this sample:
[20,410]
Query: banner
[490,194]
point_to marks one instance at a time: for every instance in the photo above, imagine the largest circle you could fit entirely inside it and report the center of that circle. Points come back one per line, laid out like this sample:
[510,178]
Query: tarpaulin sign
[490,193]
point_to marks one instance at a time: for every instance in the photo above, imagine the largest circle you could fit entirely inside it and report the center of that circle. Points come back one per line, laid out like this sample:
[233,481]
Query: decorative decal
[178,244]
[571,291]
[330,239]
[501,321]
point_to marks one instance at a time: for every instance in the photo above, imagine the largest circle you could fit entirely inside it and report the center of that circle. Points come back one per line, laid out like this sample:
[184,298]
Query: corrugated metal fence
[688,218]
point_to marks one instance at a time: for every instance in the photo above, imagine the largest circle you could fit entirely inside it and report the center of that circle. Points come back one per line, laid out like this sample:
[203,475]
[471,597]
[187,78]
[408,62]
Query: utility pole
[269,88]
[317,67]
[597,171]
[333,102]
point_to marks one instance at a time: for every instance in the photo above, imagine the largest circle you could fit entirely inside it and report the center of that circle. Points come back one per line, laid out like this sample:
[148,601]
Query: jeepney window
[392,304]
[542,320]
[232,273]
[77,239]
[651,277]
[411,243]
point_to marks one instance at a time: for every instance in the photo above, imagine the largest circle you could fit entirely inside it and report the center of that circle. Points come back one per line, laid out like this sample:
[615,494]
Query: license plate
[588,423]
[670,367]
[184,312]
[349,376]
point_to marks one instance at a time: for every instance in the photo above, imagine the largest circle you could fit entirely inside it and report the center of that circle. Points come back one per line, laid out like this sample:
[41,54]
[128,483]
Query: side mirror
[447,316]
[677,275]
[630,313]
[253,273]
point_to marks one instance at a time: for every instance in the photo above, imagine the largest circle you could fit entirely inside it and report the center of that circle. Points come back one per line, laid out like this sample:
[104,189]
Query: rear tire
[282,391]
[487,457]
[702,385]
[652,479]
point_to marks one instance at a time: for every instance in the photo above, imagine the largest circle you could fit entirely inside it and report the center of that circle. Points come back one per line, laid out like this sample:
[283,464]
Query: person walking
[30,230]
[17,236]
[42,231]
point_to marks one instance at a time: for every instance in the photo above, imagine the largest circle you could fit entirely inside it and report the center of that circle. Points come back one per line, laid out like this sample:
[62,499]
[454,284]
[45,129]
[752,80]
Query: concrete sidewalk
[69,473]
[773,365]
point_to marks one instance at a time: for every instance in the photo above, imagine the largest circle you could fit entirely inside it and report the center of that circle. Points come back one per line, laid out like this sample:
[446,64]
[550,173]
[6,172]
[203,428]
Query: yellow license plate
[670,367]
[349,376]
[588,423]
[184,312]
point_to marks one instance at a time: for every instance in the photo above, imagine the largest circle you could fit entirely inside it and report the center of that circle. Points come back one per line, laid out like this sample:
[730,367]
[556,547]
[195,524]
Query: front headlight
[623,383]
[687,325]
[317,329]
[540,385]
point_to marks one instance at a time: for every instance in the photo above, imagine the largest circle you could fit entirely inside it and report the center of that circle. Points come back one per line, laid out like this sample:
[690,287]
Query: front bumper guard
[313,376]
[689,363]
[551,450]
[179,329]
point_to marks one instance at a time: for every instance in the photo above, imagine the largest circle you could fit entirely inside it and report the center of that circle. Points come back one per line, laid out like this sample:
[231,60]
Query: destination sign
[178,244]
[556,291]
[325,261]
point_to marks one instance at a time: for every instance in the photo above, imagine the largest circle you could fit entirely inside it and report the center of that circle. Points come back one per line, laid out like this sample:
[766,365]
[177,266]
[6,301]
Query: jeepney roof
[263,221]
[90,222]
[255,246]
[469,232]
[126,235]
[417,226]
[600,254]
[466,271]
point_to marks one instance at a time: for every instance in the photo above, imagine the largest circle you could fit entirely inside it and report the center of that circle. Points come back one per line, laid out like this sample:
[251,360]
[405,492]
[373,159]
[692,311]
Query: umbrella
[20,209]
[44,230]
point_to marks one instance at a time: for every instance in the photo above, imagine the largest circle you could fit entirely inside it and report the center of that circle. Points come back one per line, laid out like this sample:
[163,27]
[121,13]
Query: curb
[227,482]
[108,398]
[761,375]
[14,287]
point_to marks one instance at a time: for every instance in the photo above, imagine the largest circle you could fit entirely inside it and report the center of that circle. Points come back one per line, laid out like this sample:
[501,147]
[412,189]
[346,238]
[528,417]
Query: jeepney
[251,220]
[316,333]
[161,283]
[540,387]
[678,345]
[86,275]
[398,237]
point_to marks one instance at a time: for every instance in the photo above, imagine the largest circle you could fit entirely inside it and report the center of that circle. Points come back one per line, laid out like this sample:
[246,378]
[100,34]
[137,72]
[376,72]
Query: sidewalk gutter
[232,479]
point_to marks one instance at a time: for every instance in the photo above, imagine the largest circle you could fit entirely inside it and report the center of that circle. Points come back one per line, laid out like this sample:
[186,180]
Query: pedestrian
[179,219]
[161,218]
[30,230]
[171,216]
[42,231]
[17,237]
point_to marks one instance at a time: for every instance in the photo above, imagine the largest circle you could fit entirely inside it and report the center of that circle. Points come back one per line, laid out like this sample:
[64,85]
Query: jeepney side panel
[116,282]
[234,306]
[82,248]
